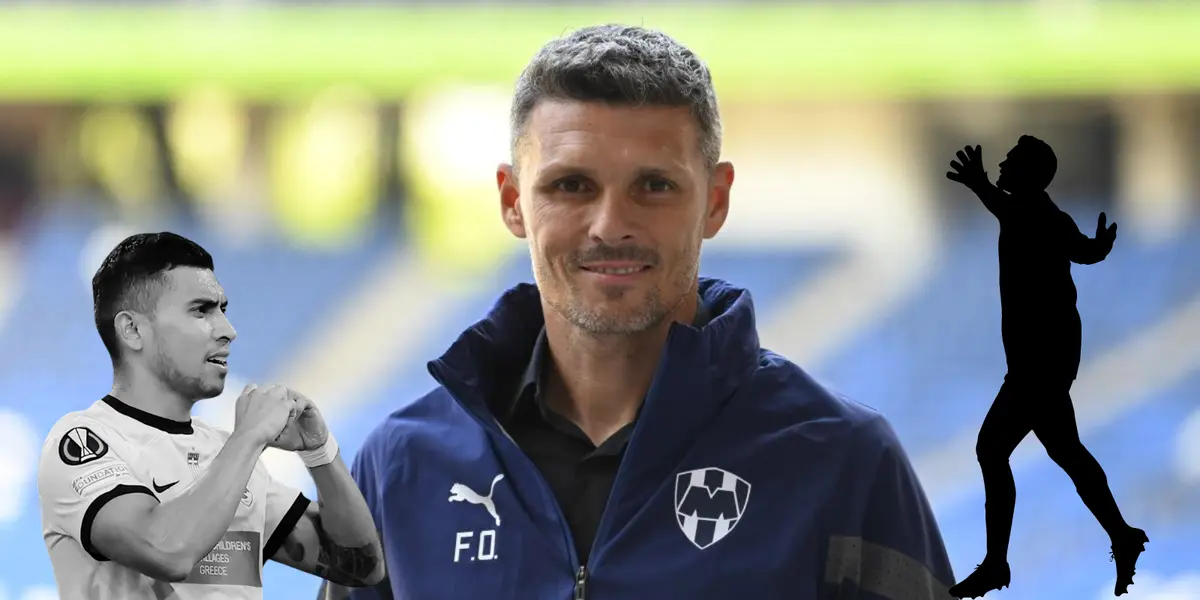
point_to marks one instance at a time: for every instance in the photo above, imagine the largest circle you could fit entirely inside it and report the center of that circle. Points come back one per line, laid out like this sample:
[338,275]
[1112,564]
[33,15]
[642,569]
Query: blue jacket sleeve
[900,554]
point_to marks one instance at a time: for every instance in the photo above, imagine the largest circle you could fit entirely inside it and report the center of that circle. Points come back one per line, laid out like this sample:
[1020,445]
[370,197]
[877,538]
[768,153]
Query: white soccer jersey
[111,449]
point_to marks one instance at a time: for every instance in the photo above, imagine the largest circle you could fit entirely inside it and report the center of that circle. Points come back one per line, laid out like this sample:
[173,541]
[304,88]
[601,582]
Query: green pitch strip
[756,52]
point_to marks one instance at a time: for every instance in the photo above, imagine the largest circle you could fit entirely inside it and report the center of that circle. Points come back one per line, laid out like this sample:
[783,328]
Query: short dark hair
[132,277]
[1042,159]
[620,65]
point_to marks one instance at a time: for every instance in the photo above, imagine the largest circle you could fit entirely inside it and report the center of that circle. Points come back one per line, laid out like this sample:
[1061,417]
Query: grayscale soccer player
[139,500]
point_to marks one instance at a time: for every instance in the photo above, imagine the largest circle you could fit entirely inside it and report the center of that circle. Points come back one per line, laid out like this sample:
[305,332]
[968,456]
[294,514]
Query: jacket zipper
[581,583]
[581,573]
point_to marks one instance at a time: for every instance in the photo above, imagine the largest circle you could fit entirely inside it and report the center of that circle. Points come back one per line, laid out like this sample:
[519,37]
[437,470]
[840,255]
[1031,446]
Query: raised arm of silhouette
[1041,330]
[968,170]
[1084,250]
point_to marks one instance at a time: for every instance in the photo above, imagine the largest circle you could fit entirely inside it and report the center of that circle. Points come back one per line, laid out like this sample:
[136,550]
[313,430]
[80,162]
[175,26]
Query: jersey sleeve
[285,506]
[900,553]
[79,472]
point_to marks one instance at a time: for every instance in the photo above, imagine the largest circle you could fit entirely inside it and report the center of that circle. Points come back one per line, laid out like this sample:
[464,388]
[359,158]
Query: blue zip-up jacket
[744,479]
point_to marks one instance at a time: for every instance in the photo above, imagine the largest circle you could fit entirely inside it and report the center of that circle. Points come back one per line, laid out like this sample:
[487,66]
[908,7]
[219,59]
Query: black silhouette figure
[1041,331]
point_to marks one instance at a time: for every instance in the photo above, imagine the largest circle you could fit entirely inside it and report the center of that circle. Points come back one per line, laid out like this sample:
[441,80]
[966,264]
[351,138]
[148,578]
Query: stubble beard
[186,386]
[652,311]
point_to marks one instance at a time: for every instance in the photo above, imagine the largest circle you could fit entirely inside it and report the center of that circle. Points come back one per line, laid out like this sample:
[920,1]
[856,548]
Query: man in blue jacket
[616,431]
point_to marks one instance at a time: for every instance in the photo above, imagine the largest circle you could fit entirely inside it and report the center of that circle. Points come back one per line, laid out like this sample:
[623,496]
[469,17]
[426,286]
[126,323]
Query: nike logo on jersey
[158,489]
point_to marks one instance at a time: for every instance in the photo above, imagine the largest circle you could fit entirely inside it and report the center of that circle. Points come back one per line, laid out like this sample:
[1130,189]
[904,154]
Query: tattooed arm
[336,539]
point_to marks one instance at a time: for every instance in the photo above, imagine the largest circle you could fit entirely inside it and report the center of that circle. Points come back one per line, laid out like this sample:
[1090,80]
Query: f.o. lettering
[475,546]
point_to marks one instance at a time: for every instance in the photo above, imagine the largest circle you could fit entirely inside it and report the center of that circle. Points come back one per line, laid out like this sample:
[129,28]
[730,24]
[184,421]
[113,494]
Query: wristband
[321,456]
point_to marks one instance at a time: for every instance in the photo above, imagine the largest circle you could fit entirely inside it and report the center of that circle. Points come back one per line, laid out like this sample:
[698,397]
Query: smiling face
[614,202]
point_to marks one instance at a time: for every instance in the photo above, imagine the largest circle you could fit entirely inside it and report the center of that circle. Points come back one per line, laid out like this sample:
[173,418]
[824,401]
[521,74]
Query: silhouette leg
[1004,427]
[1006,424]
[1056,428]
[1059,433]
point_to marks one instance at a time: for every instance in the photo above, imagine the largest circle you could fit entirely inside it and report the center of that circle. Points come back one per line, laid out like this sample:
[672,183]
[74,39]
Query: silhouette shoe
[1125,551]
[988,576]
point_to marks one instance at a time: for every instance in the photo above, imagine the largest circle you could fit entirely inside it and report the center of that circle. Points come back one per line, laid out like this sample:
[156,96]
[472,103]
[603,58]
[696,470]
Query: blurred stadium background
[338,162]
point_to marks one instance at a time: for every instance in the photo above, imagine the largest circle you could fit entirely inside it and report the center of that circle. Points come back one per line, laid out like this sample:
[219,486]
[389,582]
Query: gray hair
[620,65]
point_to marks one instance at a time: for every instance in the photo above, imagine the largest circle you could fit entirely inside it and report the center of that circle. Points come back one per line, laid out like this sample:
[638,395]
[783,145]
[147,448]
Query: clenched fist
[264,412]
[306,429]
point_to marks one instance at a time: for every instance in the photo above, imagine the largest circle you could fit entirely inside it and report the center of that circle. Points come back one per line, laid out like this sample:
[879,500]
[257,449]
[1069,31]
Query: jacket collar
[531,378]
[477,368]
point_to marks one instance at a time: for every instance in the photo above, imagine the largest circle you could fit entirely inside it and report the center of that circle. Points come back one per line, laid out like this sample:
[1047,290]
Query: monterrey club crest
[709,503]
[80,446]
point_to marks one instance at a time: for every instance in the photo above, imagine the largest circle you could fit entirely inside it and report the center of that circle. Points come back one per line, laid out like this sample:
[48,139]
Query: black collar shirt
[580,473]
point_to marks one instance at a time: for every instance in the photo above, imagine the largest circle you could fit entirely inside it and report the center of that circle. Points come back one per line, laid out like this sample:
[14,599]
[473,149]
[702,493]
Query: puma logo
[462,493]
